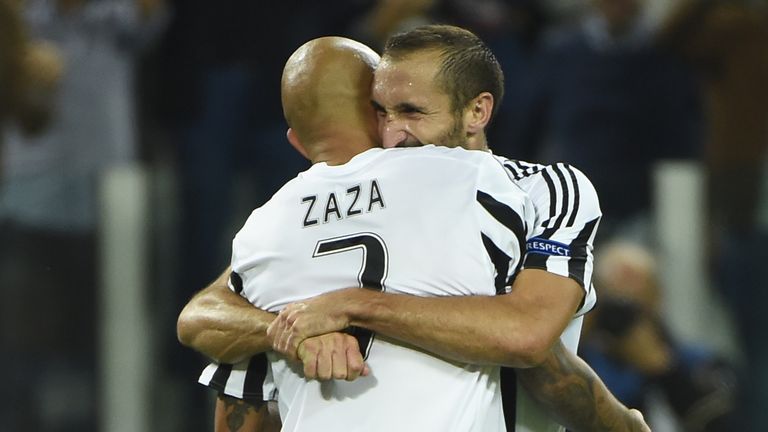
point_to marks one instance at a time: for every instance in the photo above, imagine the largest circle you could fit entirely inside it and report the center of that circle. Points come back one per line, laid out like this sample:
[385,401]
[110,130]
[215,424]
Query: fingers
[354,361]
[284,331]
[332,356]
[325,366]
[316,358]
[299,321]
[308,353]
[339,358]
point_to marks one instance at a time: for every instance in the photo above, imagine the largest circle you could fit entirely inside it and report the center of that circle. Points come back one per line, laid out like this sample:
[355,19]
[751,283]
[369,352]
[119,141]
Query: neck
[477,142]
[338,152]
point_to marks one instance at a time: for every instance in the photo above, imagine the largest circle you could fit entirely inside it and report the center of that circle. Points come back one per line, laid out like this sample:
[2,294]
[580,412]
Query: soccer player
[353,220]
[479,329]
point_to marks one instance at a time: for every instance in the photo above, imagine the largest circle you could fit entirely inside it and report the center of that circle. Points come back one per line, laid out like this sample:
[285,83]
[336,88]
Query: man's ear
[478,113]
[294,140]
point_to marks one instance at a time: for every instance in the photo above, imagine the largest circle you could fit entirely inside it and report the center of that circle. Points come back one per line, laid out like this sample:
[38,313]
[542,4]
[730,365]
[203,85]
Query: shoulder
[554,186]
[443,159]
[433,152]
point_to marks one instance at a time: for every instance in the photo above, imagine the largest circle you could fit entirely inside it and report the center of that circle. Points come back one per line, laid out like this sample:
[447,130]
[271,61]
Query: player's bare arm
[227,328]
[592,407]
[237,415]
[514,330]
[223,325]
[572,392]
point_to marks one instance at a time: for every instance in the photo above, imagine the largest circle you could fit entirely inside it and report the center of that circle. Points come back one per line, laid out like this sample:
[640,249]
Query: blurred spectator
[48,208]
[12,41]
[604,99]
[628,346]
[29,72]
[727,42]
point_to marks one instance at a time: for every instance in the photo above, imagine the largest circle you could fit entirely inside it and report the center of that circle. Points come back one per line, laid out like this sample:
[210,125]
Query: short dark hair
[468,66]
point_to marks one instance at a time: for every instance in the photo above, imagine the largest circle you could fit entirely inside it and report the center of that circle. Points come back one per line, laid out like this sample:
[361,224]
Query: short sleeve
[250,380]
[568,215]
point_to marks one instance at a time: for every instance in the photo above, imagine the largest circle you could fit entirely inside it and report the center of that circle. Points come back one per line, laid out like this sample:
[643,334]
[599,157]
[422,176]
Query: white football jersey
[430,221]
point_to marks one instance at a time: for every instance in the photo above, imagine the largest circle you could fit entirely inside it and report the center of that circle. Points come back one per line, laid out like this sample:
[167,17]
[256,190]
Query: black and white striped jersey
[567,217]
[561,242]
[430,221]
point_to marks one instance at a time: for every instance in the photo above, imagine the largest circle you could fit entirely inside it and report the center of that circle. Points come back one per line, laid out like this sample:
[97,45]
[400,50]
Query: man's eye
[413,112]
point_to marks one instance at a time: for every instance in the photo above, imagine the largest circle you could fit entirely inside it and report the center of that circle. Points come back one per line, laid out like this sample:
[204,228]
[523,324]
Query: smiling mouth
[410,143]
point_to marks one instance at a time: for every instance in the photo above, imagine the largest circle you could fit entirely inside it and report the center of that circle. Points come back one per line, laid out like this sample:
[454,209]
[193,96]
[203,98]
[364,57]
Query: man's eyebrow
[407,107]
[402,107]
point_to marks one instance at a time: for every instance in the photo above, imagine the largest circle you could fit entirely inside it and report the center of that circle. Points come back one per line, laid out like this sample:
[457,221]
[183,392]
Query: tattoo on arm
[573,393]
[237,411]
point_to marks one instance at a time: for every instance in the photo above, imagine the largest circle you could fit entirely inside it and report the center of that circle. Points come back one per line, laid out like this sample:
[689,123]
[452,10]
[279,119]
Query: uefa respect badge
[547,247]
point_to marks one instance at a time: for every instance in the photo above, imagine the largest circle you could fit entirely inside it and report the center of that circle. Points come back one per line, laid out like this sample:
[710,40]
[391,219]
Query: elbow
[528,352]
[192,322]
[191,332]
[535,354]
[196,330]
[194,319]
[185,328]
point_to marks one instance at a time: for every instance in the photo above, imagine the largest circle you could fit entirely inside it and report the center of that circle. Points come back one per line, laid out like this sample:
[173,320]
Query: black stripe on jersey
[508,378]
[236,281]
[577,264]
[521,170]
[576,196]
[552,196]
[502,213]
[500,262]
[220,377]
[514,171]
[254,378]
[528,168]
[564,198]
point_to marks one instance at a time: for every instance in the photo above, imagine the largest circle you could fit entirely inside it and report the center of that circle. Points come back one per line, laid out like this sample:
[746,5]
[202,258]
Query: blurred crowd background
[662,103]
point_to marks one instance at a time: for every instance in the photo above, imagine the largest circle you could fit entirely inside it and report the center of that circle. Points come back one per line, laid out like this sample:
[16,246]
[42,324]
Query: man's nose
[392,135]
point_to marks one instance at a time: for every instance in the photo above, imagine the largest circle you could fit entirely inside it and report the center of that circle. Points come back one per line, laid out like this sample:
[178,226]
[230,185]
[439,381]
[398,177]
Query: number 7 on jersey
[372,274]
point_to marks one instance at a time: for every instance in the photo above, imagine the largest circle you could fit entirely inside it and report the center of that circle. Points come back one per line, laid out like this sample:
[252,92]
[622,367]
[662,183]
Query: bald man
[317,99]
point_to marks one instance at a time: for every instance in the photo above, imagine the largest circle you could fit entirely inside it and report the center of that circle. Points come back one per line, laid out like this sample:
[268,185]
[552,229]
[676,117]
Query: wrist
[361,305]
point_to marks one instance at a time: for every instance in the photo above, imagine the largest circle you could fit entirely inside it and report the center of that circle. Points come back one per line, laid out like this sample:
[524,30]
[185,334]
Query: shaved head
[326,89]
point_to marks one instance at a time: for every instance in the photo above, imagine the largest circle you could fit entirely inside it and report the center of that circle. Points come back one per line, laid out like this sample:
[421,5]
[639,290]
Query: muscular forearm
[515,330]
[222,325]
[571,392]
[463,329]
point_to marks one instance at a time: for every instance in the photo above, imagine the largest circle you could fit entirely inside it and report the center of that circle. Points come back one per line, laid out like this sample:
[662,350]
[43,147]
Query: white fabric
[430,224]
